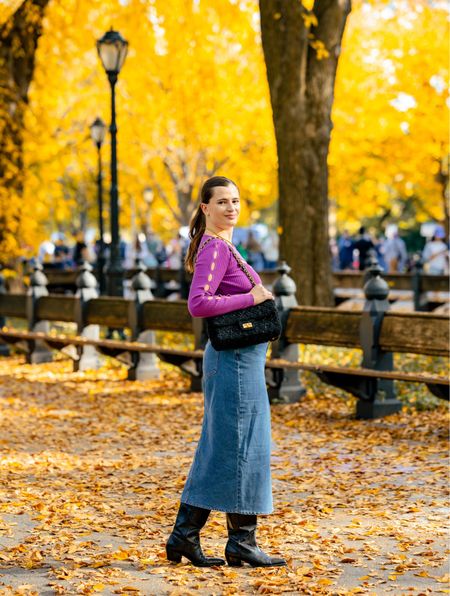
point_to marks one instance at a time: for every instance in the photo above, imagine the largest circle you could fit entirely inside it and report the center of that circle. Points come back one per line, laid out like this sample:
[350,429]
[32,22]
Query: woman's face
[222,211]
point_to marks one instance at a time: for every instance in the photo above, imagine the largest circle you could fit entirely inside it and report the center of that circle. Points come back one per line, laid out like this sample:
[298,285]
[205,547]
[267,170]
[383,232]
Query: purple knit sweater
[219,285]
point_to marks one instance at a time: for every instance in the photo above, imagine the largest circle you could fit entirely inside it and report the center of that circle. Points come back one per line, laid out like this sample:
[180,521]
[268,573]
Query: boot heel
[233,561]
[173,555]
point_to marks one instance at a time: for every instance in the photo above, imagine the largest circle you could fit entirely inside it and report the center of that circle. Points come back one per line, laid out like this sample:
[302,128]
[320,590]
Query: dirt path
[92,468]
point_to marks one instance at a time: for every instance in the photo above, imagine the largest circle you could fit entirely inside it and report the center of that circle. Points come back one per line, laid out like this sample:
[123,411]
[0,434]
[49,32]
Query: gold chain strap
[233,251]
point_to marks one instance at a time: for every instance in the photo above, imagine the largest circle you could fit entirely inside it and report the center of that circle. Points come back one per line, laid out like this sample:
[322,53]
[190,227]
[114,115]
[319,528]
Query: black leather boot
[185,538]
[241,546]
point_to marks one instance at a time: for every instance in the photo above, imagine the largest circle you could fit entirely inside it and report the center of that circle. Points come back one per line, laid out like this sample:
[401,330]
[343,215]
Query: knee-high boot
[185,538]
[241,546]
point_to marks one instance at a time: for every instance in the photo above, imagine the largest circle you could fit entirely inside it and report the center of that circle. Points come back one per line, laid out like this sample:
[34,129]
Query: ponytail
[196,229]
[197,226]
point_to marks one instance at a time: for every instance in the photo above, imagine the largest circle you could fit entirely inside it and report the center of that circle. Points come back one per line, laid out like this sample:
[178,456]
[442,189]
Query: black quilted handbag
[247,326]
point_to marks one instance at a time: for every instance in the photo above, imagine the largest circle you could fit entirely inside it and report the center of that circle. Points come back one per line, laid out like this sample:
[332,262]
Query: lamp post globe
[98,131]
[112,49]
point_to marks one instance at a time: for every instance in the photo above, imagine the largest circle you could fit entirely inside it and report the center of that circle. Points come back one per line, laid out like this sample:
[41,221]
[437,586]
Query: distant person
[345,250]
[175,252]
[154,245]
[255,254]
[61,256]
[242,250]
[379,249]
[435,255]
[46,252]
[395,253]
[80,250]
[122,251]
[270,249]
[363,244]
[135,251]
[334,254]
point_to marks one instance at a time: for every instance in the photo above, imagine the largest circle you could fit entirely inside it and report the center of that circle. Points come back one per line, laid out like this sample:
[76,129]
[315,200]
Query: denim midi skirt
[231,467]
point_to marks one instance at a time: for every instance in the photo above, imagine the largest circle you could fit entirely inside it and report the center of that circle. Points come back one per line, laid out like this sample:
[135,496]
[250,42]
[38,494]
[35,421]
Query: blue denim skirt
[231,467]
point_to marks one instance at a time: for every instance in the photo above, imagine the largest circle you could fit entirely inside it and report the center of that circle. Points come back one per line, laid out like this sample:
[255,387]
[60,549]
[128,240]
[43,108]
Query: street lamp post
[98,130]
[112,49]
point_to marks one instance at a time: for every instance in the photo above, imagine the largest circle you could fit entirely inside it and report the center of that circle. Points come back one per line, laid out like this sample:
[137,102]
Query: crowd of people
[259,246]
[390,249]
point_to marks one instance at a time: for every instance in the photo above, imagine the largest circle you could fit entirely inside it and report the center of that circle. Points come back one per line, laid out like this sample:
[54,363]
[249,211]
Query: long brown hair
[198,220]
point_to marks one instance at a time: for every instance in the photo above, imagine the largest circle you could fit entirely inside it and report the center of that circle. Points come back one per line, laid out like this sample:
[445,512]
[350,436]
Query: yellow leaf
[121,555]
[310,19]
[444,579]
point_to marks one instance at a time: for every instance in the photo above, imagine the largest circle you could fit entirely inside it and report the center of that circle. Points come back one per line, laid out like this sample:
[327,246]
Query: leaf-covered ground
[92,468]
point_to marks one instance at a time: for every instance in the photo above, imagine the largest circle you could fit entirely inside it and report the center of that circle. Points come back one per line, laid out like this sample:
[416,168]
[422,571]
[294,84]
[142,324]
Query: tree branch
[164,196]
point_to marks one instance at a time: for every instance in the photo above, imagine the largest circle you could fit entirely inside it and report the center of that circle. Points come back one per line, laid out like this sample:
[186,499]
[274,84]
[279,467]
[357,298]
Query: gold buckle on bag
[247,325]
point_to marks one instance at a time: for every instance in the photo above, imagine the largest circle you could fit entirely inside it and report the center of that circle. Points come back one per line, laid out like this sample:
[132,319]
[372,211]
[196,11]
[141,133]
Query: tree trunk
[301,80]
[18,41]
[442,179]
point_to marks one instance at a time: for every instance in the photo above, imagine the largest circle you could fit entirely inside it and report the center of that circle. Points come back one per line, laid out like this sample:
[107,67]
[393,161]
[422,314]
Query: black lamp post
[112,49]
[98,130]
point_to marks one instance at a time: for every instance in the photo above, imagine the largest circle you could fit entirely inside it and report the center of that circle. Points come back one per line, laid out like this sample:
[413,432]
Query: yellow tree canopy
[391,113]
[192,98]
[7,8]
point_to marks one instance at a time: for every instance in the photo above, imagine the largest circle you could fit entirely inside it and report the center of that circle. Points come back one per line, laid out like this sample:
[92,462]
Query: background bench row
[376,331]
[407,291]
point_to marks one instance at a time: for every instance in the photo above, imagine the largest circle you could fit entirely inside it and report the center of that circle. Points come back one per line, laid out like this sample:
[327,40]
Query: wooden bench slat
[416,333]
[410,332]
[361,372]
[323,326]
[76,340]
[166,315]
[109,311]
[56,308]
[13,305]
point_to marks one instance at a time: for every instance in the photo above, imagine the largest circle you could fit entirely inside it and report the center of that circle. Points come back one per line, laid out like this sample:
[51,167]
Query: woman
[231,467]
[435,254]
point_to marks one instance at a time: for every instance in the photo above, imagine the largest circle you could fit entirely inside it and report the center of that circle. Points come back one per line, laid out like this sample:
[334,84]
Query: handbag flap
[264,310]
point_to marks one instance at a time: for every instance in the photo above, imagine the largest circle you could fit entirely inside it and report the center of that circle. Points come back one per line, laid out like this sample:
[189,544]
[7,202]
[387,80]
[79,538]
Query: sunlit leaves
[193,96]
[390,116]
[92,467]
[192,99]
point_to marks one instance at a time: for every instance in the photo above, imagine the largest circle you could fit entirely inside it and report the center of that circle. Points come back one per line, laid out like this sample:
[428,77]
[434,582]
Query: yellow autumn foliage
[192,95]
[391,113]
[192,100]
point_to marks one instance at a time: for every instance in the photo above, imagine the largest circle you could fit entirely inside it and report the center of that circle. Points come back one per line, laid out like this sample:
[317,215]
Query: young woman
[231,467]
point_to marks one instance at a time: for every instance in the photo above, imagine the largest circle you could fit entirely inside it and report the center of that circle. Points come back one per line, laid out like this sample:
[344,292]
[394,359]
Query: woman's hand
[260,294]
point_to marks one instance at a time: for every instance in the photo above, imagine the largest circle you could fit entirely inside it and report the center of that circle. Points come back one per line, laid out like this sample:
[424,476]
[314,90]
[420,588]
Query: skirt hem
[224,510]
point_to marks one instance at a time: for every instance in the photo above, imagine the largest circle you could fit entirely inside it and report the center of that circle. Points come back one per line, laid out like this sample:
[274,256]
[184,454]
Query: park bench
[376,331]
[407,291]
[142,316]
